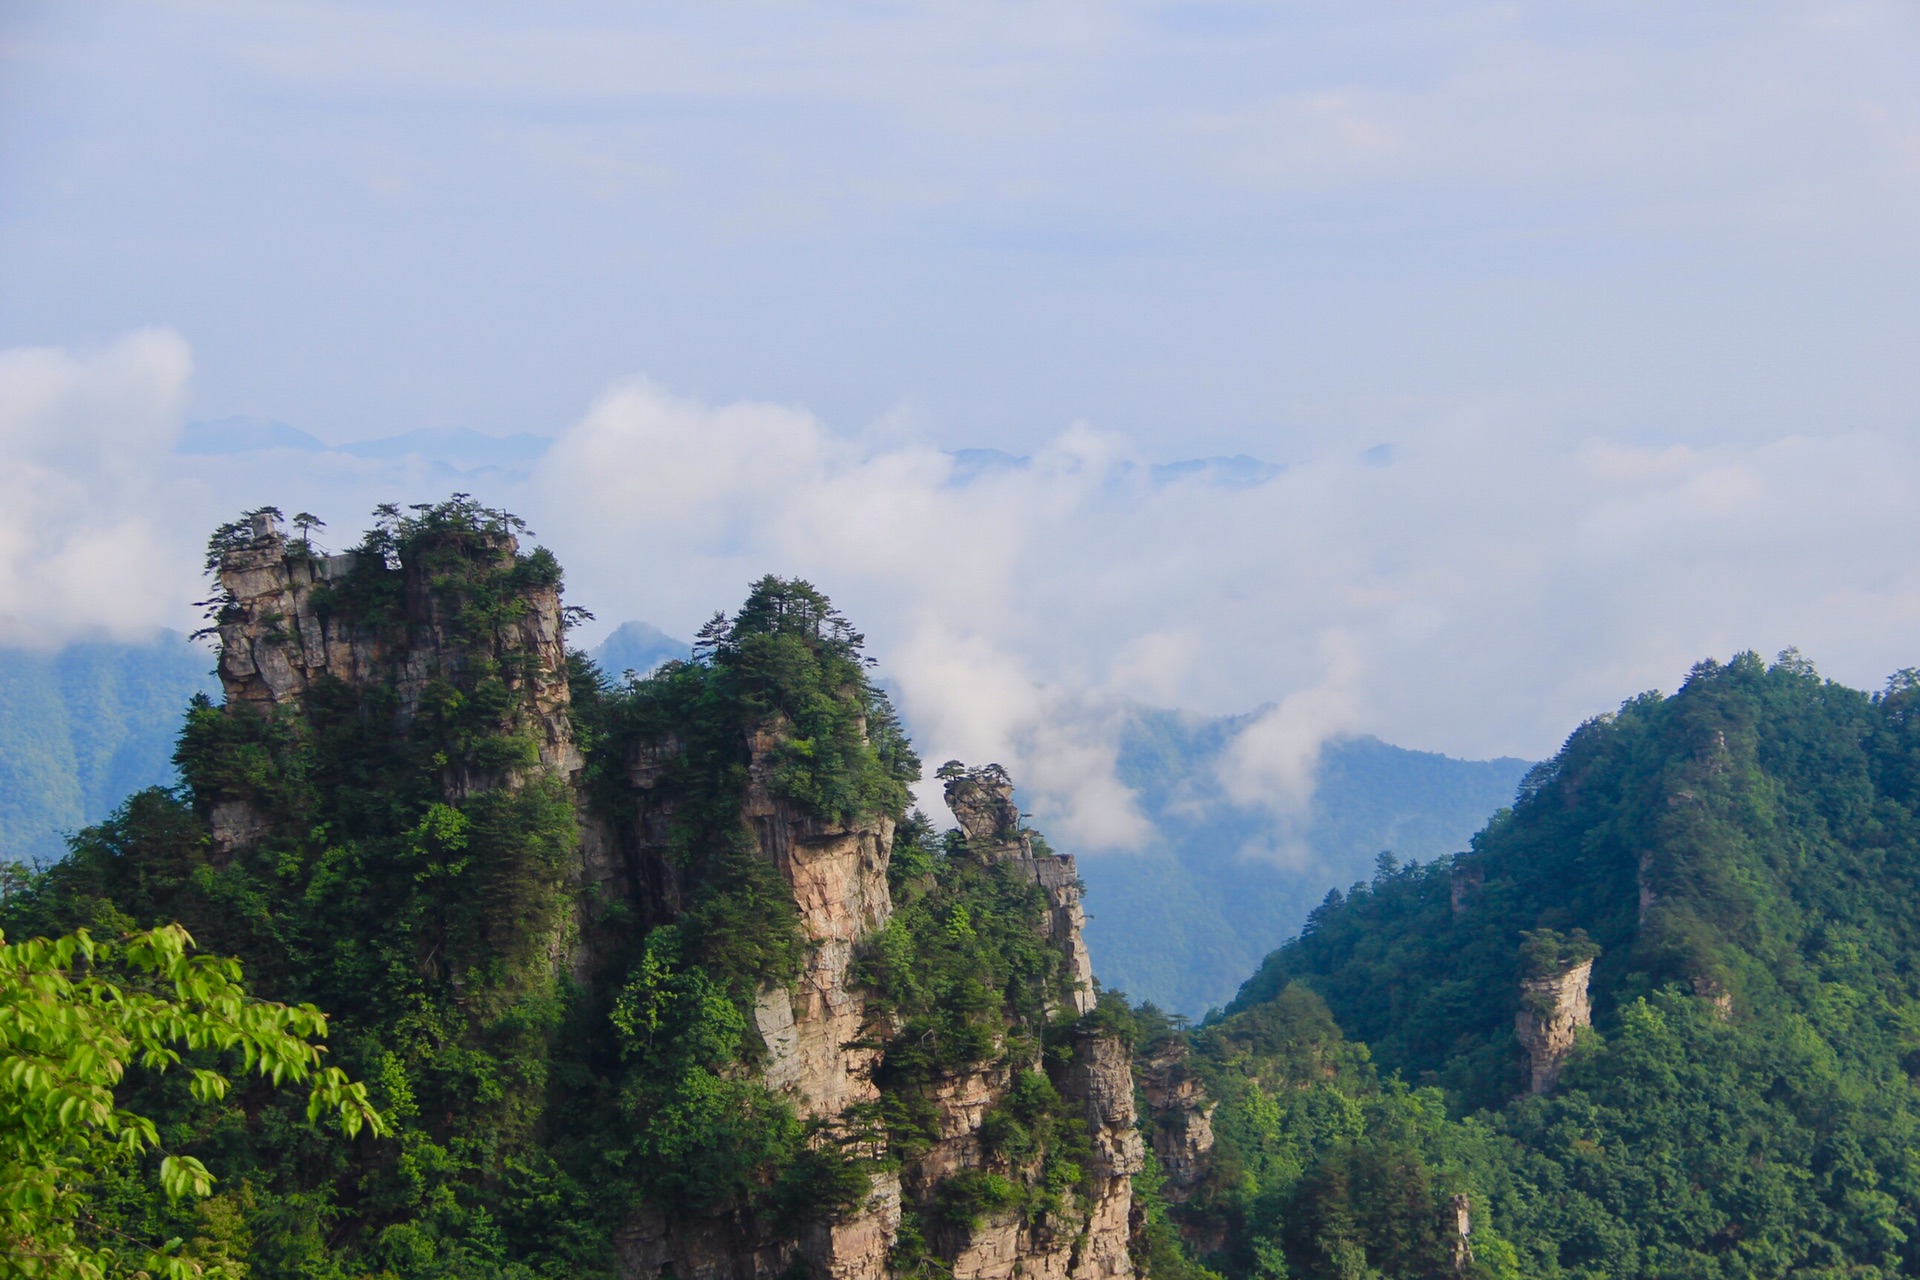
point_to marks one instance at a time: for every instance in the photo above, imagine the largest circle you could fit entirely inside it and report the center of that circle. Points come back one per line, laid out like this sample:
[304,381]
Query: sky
[1579,339]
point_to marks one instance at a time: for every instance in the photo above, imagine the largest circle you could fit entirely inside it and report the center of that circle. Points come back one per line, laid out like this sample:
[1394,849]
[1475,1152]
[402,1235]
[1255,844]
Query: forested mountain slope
[1731,876]
[654,977]
[84,726]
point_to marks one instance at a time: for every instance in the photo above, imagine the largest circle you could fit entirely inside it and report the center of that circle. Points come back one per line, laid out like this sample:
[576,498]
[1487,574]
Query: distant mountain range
[1180,922]
[464,451]
[460,449]
[83,727]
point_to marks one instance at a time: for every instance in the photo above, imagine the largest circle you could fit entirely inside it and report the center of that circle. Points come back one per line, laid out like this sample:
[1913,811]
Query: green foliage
[963,968]
[1741,861]
[1155,1244]
[971,1196]
[409,874]
[411,865]
[1544,952]
[75,1014]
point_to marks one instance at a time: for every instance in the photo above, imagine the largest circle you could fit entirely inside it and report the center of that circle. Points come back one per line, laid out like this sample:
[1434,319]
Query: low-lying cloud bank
[1477,584]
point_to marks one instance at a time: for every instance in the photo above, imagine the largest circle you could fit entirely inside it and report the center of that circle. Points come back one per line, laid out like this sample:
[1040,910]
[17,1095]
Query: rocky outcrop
[1462,1210]
[1553,1008]
[822,1042]
[982,803]
[1088,1239]
[838,874]
[283,629]
[296,626]
[288,623]
[1464,882]
[1181,1116]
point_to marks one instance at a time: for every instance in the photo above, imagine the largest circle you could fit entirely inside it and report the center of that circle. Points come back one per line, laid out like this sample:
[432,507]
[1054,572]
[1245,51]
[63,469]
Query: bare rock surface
[1182,1119]
[1553,1008]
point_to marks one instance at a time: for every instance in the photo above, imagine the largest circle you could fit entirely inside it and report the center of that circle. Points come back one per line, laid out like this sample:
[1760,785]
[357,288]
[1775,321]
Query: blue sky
[1585,332]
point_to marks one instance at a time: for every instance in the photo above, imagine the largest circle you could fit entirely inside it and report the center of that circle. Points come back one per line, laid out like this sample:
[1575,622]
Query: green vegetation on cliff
[1744,860]
[562,1040]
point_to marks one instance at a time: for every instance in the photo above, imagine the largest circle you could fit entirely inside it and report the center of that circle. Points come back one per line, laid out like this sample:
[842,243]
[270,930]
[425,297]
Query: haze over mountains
[85,726]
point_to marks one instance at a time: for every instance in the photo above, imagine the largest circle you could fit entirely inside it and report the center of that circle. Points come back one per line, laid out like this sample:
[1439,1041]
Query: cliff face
[449,651]
[982,803]
[283,635]
[820,1046]
[1553,1008]
[1182,1116]
[824,1045]
[1082,1244]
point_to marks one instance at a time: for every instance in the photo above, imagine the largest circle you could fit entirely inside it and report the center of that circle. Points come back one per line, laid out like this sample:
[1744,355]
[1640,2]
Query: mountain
[1182,921]
[1662,1019]
[458,450]
[648,978]
[84,726]
[638,647]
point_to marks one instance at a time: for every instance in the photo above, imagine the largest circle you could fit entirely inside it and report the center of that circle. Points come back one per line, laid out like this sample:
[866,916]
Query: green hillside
[1744,858]
[83,727]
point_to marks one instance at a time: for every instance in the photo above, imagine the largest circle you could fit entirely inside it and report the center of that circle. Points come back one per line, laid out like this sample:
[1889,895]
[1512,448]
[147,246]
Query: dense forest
[661,975]
[1740,865]
[558,989]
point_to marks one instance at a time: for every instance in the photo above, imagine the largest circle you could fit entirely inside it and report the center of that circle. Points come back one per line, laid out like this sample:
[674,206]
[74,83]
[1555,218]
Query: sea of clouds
[1477,584]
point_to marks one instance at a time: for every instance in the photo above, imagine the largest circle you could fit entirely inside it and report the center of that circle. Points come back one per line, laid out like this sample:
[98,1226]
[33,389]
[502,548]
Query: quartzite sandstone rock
[278,642]
[1182,1118]
[1553,1008]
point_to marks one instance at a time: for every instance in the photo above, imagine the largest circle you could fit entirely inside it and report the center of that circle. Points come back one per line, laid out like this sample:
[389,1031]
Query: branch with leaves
[75,1013]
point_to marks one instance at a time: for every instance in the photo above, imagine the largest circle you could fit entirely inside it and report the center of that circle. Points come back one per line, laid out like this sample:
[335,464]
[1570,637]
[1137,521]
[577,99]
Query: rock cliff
[982,803]
[824,1046]
[1553,1008]
[1182,1117]
[465,634]
[288,626]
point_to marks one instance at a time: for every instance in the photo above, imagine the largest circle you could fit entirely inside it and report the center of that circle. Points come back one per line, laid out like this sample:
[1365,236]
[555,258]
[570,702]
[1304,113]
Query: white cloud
[81,438]
[1493,585]
[1480,590]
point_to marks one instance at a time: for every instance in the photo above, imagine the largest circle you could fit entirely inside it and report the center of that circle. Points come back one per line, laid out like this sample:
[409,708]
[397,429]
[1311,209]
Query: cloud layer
[82,438]
[1478,585]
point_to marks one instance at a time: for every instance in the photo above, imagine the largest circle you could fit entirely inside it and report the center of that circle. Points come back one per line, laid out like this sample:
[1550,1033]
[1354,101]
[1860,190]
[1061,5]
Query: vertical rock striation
[389,640]
[1553,1008]
[982,803]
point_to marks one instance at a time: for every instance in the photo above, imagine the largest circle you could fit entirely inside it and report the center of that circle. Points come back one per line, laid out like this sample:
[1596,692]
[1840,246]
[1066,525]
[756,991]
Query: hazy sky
[1589,334]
